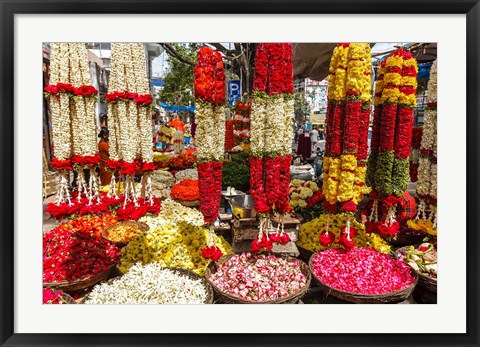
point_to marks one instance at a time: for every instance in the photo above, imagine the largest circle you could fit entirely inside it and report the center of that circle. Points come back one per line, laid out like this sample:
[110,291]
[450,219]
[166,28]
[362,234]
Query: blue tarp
[178,108]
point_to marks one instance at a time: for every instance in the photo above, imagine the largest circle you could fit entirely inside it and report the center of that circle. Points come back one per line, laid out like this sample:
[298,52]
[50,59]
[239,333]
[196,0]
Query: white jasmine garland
[274,129]
[258,125]
[112,138]
[289,115]
[423,183]
[210,132]
[432,84]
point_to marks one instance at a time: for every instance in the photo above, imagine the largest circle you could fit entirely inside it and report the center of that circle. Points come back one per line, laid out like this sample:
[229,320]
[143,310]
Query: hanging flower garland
[426,218]
[241,129]
[271,139]
[348,114]
[389,173]
[72,101]
[129,103]
[210,136]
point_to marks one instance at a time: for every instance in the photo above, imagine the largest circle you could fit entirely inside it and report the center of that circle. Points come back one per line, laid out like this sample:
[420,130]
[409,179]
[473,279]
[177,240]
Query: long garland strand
[210,136]
[271,139]
[72,101]
[426,218]
[389,174]
[348,115]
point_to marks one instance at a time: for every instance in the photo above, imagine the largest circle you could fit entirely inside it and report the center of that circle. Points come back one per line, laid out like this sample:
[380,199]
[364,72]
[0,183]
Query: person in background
[304,147]
[299,133]
[314,136]
[103,147]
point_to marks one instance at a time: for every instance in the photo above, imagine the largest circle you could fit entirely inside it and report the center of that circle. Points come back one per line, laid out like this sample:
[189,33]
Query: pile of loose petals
[89,224]
[51,296]
[361,270]
[71,256]
[185,190]
[259,277]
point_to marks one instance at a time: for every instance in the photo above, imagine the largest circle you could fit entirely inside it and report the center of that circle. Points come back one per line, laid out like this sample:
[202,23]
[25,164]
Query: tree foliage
[301,108]
[178,89]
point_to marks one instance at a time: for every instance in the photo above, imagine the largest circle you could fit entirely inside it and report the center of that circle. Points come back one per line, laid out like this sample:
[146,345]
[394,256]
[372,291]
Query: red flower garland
[257,188]
[61,164]
[86,160]
[210,188]
[140,100]
[209,76]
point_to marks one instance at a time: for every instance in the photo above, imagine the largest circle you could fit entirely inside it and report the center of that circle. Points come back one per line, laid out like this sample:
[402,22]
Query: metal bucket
[243,206]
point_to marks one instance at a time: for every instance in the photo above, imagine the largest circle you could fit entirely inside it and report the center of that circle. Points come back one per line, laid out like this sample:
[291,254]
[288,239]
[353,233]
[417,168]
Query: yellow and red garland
[388,168]
[348,113]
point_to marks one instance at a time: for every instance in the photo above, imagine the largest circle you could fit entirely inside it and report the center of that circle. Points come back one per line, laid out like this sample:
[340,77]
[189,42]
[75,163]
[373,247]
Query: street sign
[234,89]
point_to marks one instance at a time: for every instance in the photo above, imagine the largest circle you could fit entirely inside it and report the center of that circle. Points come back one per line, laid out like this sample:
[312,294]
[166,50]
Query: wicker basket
[142,226]
[78,285]
[305,254]
[357,298]
[230,299]
[424,281]
[68,299]
[189,203]
[187,273]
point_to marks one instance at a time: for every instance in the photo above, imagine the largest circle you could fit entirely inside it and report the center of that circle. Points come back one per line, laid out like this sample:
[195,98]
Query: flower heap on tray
[388,164]
[75,256]
[88,224]
[210,137]
[346,146]
[175,239]
[309,234]
[72,100]
[149,284]
[271,139]
[185,190]
[426,218]
[55,297]
[259,277]
[423,259]
[361,270]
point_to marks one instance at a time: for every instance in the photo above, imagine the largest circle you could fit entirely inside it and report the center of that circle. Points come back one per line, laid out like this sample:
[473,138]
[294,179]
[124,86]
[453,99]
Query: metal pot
[243,206]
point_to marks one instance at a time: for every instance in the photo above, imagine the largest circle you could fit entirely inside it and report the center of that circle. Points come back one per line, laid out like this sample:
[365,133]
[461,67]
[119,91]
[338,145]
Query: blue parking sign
[234,89]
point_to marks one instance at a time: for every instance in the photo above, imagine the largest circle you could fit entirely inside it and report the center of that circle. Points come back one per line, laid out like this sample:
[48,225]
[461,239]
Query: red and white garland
[210,137]
[72,101]
[241,128]
[271,139]
[129,104]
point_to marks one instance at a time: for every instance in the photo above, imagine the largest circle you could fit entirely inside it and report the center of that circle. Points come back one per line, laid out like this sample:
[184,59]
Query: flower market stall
[221,220]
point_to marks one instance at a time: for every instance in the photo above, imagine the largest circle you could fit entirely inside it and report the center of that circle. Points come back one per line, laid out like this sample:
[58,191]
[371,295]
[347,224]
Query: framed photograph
[199,158]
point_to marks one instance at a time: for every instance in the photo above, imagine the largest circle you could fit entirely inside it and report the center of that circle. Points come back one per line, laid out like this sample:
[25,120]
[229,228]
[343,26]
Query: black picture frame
[10,8]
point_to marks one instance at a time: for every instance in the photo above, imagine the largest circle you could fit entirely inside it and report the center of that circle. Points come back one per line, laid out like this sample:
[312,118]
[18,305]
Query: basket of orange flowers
[186,192]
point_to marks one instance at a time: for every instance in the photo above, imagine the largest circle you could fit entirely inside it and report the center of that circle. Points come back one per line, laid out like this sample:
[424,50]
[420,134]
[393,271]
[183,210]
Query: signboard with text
[234,91]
